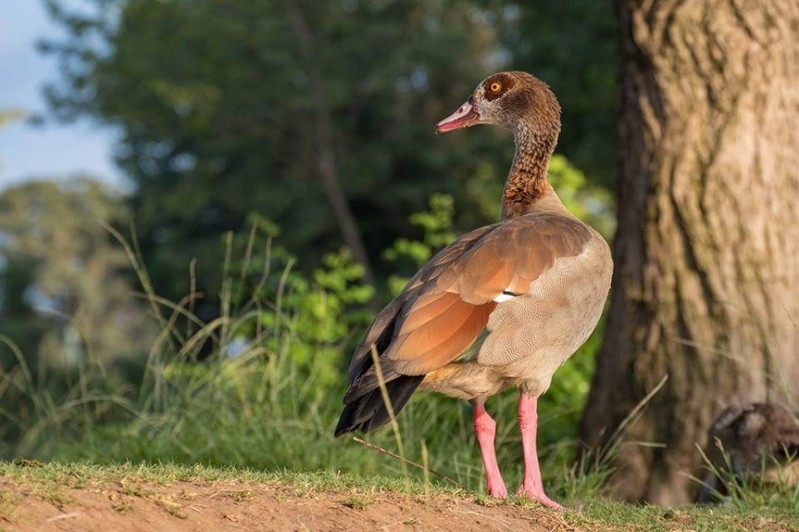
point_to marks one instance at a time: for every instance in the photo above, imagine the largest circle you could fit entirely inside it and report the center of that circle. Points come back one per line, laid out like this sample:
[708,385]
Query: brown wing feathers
[446,306]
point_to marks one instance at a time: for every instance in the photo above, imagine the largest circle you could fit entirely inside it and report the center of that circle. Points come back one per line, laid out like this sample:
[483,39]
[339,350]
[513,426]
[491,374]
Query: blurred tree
[63,293]
[316,114]
[707,254]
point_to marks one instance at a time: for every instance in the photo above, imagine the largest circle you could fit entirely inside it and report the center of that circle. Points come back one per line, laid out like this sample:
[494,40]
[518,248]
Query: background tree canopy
[318,115]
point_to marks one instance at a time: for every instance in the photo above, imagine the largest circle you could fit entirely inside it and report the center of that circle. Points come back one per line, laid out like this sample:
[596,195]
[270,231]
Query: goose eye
[494,87]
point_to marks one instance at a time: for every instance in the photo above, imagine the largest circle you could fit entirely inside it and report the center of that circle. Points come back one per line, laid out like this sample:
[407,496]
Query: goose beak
[465,116]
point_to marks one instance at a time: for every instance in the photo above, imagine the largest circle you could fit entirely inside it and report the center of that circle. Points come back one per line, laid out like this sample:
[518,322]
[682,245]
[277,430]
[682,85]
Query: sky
[51,151]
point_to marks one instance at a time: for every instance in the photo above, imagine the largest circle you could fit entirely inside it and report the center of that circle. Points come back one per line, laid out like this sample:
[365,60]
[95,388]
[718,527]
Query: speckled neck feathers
[527,180]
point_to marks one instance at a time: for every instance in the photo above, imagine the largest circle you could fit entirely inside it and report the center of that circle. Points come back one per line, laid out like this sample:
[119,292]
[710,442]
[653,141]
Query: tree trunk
[326,159]
[706,288]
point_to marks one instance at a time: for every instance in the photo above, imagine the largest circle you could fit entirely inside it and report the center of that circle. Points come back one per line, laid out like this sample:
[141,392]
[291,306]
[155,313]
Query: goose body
[529,336]
[504,305]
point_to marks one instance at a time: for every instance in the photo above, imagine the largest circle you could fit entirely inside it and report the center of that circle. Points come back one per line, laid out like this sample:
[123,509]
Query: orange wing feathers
[440,340]
[446,305]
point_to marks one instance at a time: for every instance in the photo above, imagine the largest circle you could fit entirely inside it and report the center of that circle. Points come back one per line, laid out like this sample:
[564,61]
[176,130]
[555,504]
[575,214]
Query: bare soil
[231,505]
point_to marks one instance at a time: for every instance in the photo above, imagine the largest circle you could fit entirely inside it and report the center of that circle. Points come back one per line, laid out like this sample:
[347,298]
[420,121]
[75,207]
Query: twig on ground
[406,461]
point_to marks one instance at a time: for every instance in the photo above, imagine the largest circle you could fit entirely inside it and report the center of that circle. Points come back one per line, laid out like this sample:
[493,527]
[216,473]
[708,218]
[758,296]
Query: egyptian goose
[504,305]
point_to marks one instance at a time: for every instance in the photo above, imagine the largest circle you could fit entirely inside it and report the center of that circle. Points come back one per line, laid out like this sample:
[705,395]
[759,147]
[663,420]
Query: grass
[274,405]
[53,476]
[55,481]
[266,415]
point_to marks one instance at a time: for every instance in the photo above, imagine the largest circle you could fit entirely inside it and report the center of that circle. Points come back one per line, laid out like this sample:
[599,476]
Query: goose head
[514,100]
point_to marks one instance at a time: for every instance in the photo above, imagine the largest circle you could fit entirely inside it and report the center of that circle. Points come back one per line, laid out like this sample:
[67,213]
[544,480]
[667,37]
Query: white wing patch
[504,296]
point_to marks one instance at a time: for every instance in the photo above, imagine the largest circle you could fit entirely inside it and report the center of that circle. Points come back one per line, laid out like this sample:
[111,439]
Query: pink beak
[465,116]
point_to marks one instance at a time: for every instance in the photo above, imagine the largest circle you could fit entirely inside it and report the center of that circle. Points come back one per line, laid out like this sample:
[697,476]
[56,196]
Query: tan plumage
[447,304]
[504,305]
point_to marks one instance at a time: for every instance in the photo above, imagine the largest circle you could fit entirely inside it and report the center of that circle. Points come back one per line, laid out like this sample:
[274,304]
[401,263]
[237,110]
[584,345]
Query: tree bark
[706,288]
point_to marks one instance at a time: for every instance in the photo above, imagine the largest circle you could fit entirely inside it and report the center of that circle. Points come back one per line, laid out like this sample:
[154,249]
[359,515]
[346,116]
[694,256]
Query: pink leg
[485,428]
[532,486]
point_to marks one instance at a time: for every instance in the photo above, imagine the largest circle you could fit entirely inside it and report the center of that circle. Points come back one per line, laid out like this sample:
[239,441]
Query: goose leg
[532,487]
[485,428]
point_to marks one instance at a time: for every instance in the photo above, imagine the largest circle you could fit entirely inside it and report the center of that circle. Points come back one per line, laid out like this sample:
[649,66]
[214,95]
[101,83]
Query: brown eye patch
[496,86]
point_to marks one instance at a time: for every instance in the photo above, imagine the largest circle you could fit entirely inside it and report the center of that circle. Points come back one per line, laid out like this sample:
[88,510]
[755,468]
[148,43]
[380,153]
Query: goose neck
[527,180]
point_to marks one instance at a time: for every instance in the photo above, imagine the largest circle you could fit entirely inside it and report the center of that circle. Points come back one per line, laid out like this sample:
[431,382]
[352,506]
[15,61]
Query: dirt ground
[188,506]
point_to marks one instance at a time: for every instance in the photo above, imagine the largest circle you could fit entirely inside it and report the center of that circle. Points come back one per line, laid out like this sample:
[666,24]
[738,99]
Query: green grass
[54,481]
[274,406]
[82,474]
[217,416]
[268,414]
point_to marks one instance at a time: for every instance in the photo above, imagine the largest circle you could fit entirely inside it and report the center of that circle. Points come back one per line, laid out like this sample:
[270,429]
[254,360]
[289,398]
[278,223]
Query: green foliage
[318,311]
[319,316]
[436,224]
